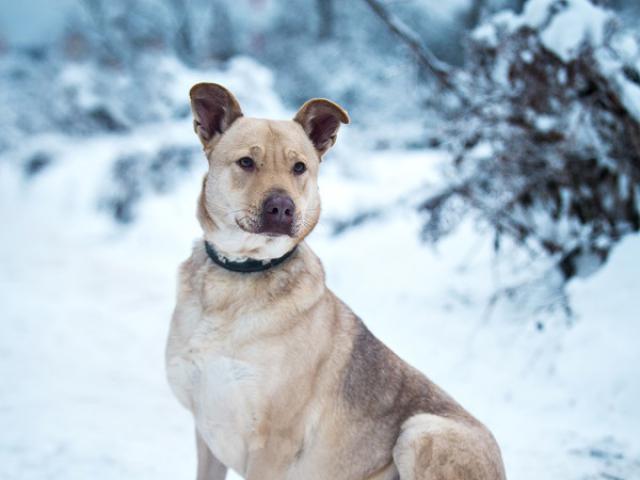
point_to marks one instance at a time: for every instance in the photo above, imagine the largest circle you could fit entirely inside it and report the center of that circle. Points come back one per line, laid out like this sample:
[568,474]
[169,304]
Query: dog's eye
[299,168]
[246,163]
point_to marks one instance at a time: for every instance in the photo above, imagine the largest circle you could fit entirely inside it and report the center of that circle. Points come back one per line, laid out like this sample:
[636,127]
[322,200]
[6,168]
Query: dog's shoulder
[378,384]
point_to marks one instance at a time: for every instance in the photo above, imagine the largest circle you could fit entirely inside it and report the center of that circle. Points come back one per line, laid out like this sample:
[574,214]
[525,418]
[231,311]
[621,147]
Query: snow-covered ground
[86,303]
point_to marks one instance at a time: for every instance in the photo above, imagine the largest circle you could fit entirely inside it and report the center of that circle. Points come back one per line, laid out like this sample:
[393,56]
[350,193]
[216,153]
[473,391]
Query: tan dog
[284,381]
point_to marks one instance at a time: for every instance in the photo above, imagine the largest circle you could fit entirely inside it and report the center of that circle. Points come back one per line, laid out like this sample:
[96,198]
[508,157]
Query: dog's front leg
[209,467]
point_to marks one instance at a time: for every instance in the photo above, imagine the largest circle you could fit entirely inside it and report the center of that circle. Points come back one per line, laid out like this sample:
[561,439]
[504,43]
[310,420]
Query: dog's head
[260,196]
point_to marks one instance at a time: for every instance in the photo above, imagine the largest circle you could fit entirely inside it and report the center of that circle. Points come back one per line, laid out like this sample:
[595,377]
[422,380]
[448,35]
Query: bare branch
[326,14]
[427,60]
[475,14]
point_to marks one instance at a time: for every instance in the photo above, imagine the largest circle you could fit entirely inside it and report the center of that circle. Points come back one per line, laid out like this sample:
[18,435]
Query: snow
[581,22]
[86,306]
[536,12]
[627,45]
[630,93]
[545,123]
[612,319]
[564,26]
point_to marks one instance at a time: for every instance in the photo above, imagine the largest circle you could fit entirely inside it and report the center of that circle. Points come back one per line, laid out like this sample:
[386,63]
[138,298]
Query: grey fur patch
[381,392]
[381,386]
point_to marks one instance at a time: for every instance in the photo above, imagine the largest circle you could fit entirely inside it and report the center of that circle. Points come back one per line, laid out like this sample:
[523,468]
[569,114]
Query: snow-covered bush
[137,173]
[547,147]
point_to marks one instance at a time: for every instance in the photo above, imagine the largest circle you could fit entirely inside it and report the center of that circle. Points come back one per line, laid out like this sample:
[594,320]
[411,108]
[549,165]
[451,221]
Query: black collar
[250,265]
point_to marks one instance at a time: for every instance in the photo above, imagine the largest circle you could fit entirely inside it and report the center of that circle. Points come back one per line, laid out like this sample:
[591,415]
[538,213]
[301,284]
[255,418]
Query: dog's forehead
[265,133]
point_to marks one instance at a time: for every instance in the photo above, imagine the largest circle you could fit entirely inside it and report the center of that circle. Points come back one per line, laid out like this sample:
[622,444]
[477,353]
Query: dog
[283,380]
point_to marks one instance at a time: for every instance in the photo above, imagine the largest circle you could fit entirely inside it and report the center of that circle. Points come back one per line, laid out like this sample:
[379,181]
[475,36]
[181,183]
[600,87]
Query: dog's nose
[277,214]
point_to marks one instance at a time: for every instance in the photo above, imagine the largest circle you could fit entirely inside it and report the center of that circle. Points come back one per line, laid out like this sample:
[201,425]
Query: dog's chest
[226,394]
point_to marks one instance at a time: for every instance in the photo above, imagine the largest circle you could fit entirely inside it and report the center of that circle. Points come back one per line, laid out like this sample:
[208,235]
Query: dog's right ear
[214,110]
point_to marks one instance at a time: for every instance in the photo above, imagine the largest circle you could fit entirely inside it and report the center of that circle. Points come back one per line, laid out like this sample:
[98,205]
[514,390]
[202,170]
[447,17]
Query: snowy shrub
[135,174]
[547,147]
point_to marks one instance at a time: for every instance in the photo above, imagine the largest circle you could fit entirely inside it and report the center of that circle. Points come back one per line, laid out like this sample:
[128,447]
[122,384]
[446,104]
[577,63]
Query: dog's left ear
[321,119]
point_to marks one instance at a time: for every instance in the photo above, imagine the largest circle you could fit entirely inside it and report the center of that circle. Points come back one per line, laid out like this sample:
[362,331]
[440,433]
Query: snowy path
[86,306]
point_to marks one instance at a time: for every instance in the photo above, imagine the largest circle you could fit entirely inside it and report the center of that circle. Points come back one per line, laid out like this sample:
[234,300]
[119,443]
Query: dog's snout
[279,206]
[278,212]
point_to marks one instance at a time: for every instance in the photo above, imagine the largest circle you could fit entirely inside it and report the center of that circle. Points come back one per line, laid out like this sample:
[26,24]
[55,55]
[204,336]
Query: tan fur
[283,380]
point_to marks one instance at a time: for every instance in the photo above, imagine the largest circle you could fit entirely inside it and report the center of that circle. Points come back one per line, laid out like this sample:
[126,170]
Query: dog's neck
[247,265]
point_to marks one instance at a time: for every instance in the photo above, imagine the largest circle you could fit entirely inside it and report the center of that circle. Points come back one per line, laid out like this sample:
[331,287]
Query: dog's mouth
[247,224]
[270,229]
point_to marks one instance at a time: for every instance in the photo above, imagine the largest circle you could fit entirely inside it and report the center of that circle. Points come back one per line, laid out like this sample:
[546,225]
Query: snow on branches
[547,145]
